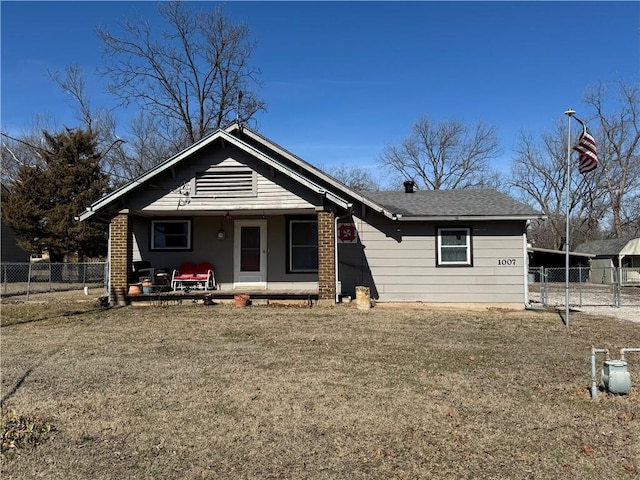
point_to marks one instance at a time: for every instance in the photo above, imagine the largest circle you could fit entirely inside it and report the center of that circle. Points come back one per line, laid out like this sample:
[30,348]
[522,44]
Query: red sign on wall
[347,233]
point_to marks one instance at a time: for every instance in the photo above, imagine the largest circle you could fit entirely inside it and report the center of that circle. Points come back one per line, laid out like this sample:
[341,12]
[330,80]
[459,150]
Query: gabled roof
[397,205]
[610,247]
[172,162]
[464,204]
[302,165]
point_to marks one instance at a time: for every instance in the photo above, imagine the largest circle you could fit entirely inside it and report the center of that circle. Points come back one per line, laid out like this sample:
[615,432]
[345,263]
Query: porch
[243,258]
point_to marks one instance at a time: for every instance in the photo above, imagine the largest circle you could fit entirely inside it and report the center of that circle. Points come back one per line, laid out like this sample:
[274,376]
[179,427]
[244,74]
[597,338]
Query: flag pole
[569,113]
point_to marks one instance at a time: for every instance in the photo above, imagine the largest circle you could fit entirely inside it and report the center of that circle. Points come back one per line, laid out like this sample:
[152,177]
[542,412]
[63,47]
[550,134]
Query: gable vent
[226,182]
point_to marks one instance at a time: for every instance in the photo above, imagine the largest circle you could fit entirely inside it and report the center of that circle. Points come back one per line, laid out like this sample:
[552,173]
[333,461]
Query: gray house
[269,222]
[612,254]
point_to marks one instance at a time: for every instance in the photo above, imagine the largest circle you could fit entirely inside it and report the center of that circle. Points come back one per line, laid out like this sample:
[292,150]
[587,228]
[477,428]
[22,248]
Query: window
[454,246]
[303,245]
[171,234]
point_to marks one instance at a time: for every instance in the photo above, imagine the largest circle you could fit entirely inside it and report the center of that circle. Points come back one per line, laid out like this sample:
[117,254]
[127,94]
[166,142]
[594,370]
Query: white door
[250,253]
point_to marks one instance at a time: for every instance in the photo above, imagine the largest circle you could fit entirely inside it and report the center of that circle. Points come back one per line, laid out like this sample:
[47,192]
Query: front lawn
[200,392]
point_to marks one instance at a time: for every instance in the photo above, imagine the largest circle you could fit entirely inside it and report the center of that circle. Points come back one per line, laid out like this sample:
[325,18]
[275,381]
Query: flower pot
[134,289]
[241,300]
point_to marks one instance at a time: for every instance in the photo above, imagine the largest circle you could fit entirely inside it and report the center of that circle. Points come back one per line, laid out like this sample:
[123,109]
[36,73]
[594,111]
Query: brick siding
[121,257]
[326,257]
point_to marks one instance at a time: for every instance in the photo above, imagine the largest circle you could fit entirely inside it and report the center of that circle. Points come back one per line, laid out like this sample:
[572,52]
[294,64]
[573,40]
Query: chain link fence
[25,279]
[615,287]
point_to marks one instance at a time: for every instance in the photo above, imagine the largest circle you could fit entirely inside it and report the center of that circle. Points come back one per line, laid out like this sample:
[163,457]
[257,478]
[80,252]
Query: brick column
[326,259]
[121,258]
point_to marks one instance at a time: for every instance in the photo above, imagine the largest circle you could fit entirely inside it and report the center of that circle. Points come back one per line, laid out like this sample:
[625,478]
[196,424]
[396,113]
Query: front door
[250,253]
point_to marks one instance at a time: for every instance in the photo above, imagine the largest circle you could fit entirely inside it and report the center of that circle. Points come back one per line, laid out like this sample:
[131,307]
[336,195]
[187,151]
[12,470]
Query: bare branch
[189,74]
[444,155]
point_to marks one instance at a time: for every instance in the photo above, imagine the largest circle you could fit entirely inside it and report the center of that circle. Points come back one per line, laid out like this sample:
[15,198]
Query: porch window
[454,246]
[303,245]
[171,234]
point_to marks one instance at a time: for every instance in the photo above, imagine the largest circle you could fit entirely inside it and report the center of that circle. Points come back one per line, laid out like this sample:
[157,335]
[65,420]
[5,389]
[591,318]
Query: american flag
[586,147]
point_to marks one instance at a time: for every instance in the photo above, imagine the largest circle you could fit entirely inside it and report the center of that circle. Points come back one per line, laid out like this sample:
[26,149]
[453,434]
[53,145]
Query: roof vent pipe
[408,186]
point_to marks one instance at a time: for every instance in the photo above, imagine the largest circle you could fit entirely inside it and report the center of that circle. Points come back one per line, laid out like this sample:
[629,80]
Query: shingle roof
[447,203]
[612,246]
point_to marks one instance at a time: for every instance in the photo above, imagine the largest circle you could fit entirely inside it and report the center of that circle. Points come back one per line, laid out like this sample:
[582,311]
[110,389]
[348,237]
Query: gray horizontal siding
[457,289]
[401,259]
[272,192]
[468,298]
[471,276]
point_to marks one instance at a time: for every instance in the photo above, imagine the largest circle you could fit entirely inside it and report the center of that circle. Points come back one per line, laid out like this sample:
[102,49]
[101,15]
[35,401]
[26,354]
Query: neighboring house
[266,219]
[11,252]
[623,253]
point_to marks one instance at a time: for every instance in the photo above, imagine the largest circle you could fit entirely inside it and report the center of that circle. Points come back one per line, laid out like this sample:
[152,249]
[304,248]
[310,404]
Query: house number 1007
[506,261]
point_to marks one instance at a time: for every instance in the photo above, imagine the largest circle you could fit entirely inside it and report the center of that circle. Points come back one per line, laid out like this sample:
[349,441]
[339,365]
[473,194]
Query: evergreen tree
[45,199]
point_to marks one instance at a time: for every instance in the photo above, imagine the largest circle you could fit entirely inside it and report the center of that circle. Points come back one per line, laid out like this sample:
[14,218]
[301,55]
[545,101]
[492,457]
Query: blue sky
[342,79]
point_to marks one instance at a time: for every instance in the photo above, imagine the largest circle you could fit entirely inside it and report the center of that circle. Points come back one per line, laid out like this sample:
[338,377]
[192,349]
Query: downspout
[108,294]
[525,258]
[335,246]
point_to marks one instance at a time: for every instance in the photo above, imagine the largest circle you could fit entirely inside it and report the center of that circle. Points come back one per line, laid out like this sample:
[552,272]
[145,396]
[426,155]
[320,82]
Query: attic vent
[226,182]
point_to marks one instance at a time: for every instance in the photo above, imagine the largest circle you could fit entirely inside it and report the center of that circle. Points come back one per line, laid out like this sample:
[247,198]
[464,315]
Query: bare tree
[190,76]
[604,203]
[539,176]
[25,149]
[72,82]
[146,148]
[618,139]
[354,177]
[100,122]
[445,155]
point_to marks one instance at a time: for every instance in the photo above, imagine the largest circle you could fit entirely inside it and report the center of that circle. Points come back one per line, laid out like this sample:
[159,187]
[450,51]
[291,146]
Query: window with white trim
[171,234]
[454,246]
[303,245]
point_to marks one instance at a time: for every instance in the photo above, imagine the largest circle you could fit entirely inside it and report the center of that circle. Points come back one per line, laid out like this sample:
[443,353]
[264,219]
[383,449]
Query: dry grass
[214,392]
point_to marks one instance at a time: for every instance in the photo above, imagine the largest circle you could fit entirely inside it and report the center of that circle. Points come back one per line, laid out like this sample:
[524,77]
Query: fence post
[543,286]
[29,281]
[5,279]
[580,282]
[616,283]
[84,274]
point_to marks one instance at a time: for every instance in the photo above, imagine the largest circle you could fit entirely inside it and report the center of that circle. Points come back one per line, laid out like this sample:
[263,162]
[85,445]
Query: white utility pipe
[594,388]
[627,350]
